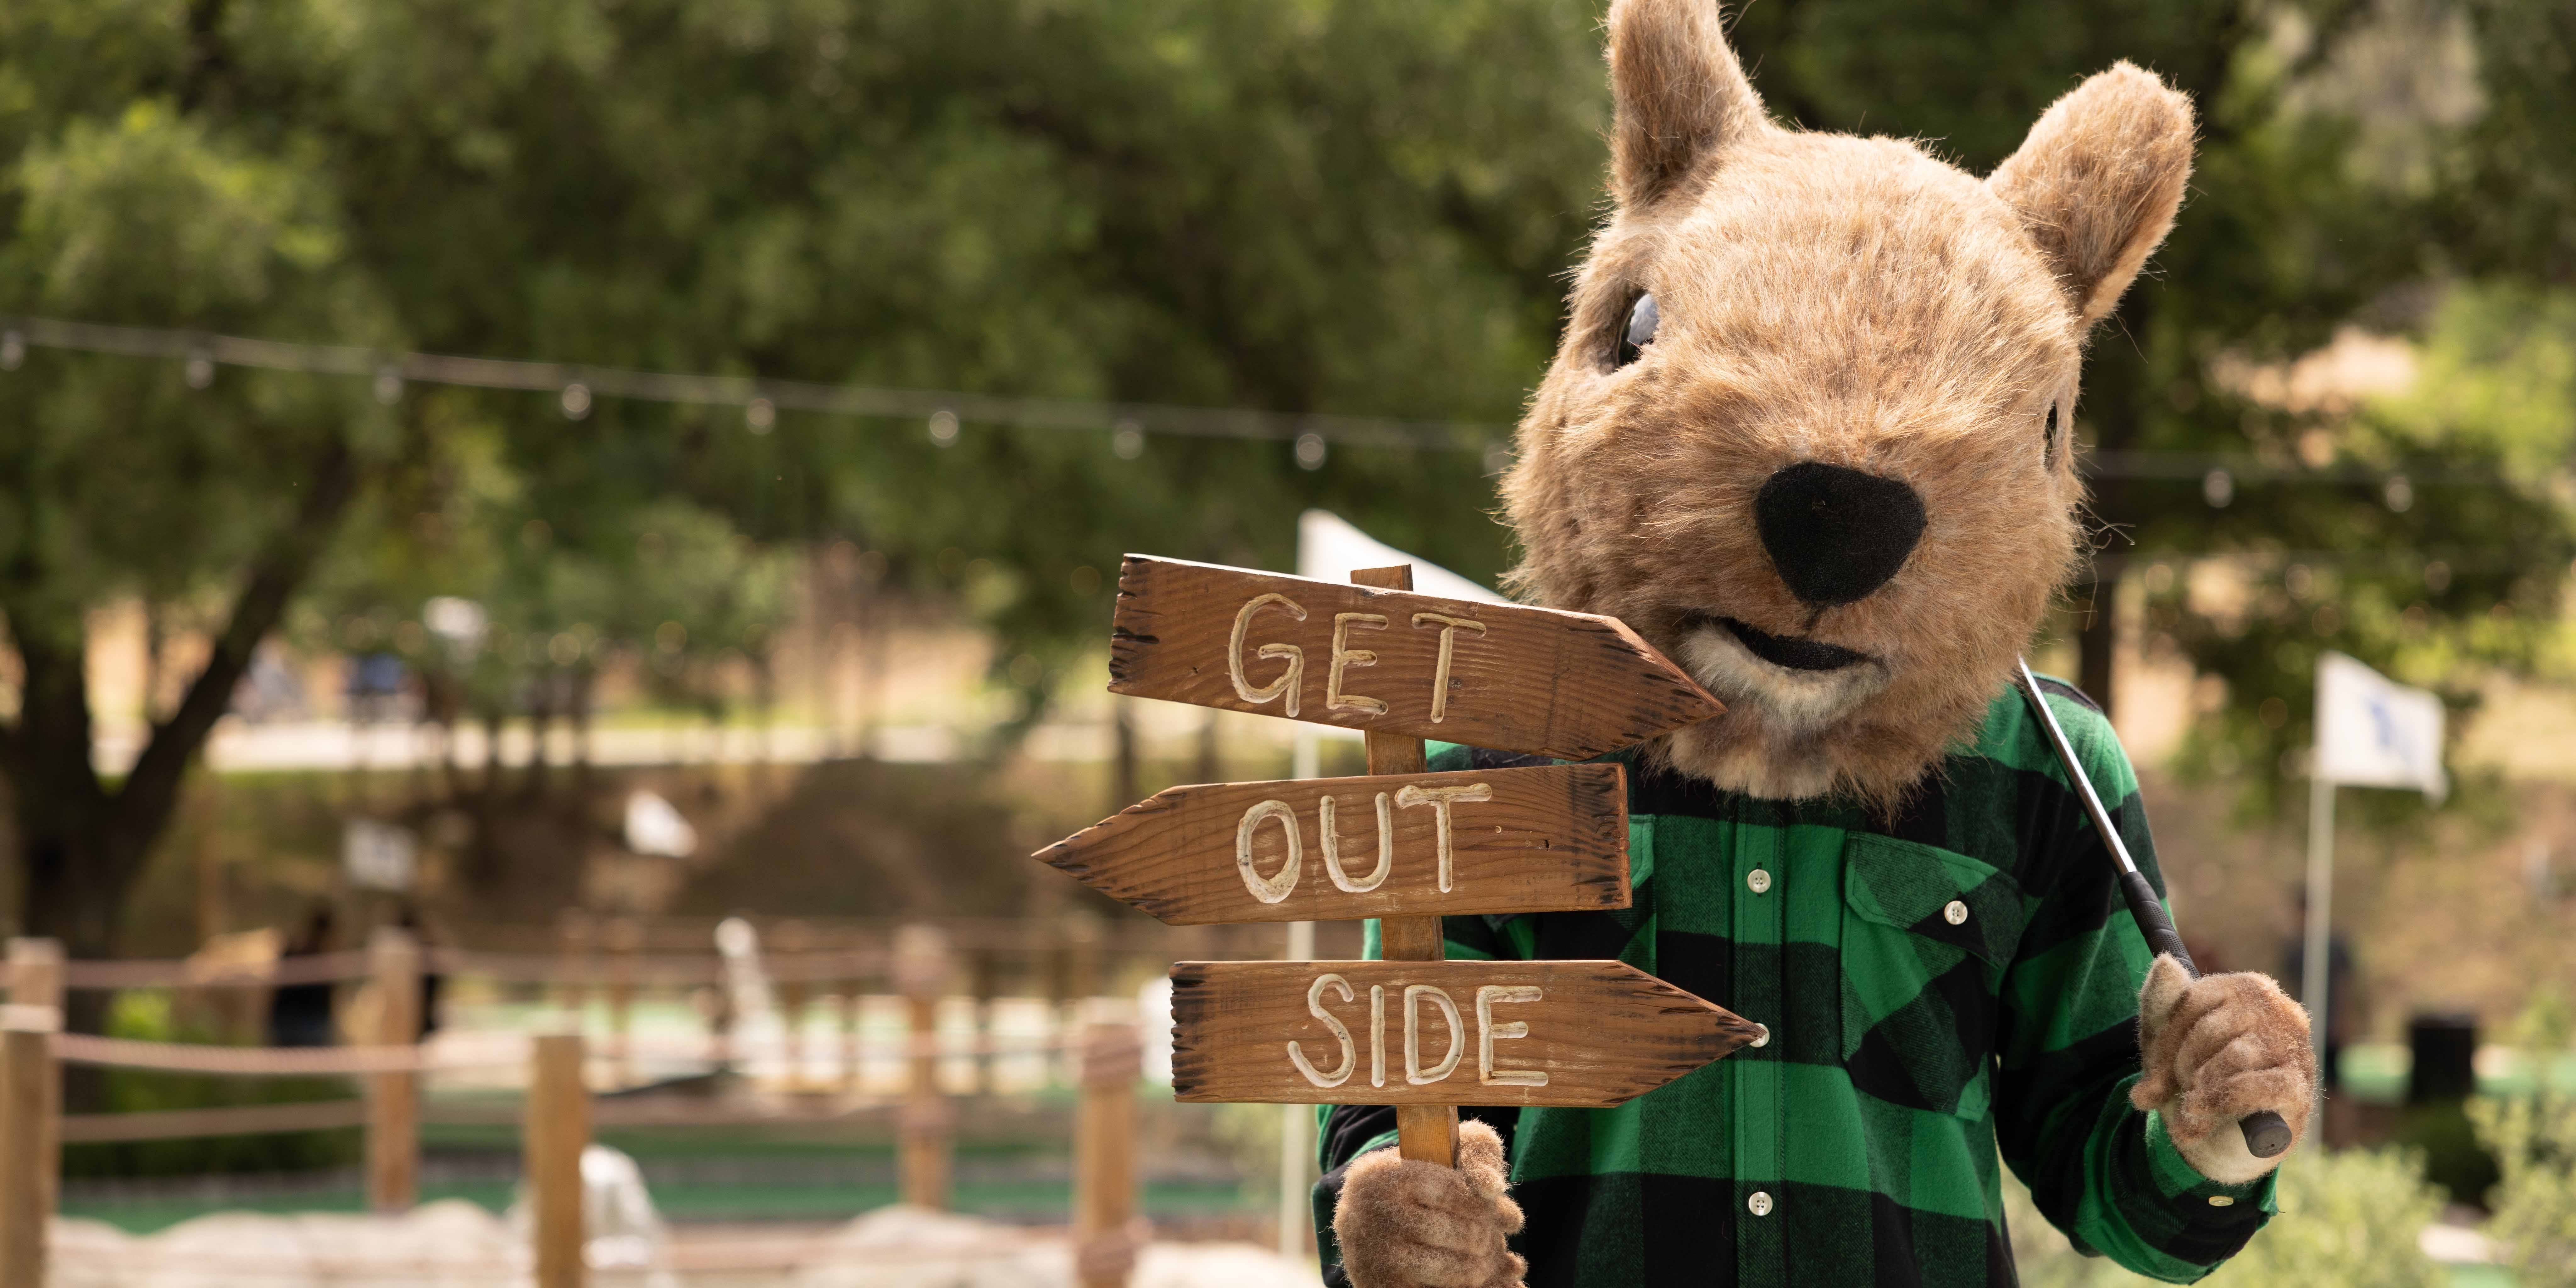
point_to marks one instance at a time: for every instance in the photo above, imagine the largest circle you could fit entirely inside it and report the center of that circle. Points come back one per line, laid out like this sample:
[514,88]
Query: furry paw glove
[1420,1225]
[2216,1049]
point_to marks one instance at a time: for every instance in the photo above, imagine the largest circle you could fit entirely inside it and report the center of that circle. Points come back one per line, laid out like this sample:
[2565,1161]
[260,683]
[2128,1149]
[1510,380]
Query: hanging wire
[578,387]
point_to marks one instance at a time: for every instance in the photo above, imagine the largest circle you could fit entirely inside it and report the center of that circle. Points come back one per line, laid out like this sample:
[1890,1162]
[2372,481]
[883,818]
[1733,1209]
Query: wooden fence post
[36,974]
[791,955]
[851,987]
[625,943]
[30,1149]
[921,972]
[555,1134]
[1077,981]
[984,982]
[572,982]
[1104,1156]
[393,1099]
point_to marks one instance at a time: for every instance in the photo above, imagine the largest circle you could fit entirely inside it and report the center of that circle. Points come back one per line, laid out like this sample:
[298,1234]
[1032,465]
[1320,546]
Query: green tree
[163,481]
[1342,206]
[2414,539]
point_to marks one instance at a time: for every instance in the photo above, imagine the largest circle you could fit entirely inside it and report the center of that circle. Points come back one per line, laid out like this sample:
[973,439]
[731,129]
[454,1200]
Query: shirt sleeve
[2102,1171]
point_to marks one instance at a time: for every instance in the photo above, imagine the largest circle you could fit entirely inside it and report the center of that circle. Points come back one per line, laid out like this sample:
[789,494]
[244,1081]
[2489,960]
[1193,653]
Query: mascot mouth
[1799,687]
[1788,653]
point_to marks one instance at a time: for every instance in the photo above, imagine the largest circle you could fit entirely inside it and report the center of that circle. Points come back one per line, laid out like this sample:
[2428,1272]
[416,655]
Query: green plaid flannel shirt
[1907,1049]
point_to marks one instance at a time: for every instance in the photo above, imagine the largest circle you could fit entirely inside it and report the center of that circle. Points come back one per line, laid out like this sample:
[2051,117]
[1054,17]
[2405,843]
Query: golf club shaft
[2266,1134]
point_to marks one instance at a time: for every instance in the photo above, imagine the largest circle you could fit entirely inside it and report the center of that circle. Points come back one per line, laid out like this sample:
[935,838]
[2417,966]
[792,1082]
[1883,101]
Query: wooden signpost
[1567,685]
[1437,1033]
[1330,849]
[1402,845]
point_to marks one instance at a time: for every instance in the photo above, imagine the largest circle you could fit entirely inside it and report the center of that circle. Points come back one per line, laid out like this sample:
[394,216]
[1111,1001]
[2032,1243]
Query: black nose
[1835,534]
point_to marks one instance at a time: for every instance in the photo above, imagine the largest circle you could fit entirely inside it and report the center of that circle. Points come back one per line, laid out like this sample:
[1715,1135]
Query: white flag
[2375,732]
[1328,548]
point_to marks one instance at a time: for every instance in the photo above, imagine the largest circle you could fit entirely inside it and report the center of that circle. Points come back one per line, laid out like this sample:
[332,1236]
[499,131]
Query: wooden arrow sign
[1541,839]
[1587,1034]
[1567,685]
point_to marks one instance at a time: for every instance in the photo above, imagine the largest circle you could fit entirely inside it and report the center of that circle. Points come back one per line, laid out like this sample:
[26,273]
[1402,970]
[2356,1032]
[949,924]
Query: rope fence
[558,1112]
[220,1120]
[587,952]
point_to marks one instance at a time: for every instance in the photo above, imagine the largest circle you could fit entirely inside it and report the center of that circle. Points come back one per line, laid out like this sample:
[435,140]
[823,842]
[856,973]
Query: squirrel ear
[1681,95]
[2097,182]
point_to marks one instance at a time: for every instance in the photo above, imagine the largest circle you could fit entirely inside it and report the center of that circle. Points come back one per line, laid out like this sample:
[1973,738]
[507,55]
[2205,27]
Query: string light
[1310,451]
[578,387]
[741,391]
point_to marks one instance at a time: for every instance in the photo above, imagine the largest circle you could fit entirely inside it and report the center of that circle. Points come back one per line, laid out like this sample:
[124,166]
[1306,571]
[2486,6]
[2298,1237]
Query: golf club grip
[2266,1134]
[2150,914]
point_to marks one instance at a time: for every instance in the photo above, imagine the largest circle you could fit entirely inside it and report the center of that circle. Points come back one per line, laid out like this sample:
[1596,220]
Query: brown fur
[1420,1225]
[1844,300]
[2216,1049]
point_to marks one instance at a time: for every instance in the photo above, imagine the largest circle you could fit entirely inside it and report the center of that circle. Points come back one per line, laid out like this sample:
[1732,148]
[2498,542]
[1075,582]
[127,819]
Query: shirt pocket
[1926,935]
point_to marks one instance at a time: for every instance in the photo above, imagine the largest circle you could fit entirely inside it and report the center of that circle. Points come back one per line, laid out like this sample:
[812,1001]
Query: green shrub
[2454,1159]
[146,1015]
[2348,1220]
[2534,1139]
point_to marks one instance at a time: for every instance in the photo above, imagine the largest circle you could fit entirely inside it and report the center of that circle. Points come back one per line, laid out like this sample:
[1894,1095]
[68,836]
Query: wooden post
[31,1093]
[555,1134]
[1425,1132]
[921,971]
[572,982]
[1079,979]
[36,974]
[791,954]
[983,981]
[393,1099]
[851,987]
[625,942]
[1104,1156]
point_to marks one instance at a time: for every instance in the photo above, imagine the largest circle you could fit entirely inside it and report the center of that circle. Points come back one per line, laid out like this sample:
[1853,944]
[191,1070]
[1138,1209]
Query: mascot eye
[2048,439]
[1640,331]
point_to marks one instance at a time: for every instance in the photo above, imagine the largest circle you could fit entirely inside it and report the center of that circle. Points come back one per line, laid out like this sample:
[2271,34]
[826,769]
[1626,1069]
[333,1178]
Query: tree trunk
[1211,767]
[1122,768]
[81,846]
[2100,634]
[2114,408]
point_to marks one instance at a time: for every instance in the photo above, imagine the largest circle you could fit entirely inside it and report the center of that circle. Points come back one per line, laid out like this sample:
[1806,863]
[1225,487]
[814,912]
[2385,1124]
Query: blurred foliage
[147,1015]
[1326,206]
[1290,207]
[2363,163]
[2348,1219]
[2535,1203]
[2534,1140]
[2441,1134]
[2445,561]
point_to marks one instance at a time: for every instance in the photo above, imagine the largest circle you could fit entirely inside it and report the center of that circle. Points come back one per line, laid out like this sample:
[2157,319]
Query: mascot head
[1809,429]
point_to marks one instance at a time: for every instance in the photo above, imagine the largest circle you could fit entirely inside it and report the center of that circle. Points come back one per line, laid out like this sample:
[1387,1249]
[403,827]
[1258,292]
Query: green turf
[2479,1276]
[1048,1202]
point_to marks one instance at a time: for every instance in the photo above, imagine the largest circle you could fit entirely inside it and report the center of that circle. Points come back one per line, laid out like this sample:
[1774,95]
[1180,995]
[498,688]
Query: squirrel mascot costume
[1809,434]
